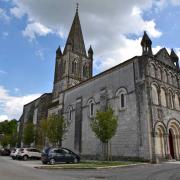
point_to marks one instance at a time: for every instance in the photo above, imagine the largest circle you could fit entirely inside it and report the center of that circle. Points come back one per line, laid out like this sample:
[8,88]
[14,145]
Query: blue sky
[31,31]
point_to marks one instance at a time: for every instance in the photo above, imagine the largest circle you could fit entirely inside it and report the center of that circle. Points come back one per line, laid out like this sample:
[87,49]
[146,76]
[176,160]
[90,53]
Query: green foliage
[29,133]
[41,133]
[104,125]
[5,141]
[55,129]
[9,129]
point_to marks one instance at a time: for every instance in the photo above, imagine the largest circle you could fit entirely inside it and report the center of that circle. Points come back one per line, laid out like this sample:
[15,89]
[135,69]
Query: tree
[29,133]
[104,125]
[41,133]
[56,129]
[5,141]
[9,131]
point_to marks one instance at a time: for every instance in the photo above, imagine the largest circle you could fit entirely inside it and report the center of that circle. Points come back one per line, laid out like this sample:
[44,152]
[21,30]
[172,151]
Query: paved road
[19,170]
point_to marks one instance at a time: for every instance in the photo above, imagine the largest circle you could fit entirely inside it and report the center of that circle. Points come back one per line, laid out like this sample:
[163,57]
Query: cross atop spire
[77,7]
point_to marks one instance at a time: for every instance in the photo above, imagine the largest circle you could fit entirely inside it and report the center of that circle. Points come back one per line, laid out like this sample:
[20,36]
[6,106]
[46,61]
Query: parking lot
[29,163]
[24,170]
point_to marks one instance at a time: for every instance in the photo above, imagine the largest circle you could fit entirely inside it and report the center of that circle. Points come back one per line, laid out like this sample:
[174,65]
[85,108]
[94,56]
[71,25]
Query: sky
[31,31]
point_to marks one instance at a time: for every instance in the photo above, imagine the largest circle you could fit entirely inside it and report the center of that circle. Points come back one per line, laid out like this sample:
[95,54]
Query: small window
[91,107]
[64,67]
[121,94]
[122,101]
[69,113]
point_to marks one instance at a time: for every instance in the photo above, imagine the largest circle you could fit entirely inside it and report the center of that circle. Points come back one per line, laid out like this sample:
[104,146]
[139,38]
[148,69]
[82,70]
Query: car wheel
[52,161]
[25,157]
[76,160]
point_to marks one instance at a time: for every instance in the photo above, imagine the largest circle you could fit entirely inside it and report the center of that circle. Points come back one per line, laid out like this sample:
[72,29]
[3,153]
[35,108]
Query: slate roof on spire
[90,51]
[146,39]
[75,37]
[58,51]
[173,55]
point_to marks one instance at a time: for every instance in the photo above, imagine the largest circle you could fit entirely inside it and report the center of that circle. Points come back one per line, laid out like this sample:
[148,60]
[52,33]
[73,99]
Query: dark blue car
[57,155]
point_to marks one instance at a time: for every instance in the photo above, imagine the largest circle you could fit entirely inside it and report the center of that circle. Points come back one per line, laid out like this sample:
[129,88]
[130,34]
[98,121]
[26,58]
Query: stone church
[143,91]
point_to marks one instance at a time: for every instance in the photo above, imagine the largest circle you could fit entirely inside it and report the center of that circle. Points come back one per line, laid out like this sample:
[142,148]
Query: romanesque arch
[174,139]
[160,132]
[121,93]
[91,104]
[163,97]
[164,75]
[158,73]
[170,99]
[176,101]
[154,93]
[152,70]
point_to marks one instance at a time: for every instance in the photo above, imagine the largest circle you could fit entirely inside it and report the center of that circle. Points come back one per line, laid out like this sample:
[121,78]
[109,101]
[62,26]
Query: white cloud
[36,29]
[12,106]
[105,24]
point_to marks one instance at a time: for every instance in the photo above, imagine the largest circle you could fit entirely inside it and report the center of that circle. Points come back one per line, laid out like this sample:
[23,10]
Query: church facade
[144,93]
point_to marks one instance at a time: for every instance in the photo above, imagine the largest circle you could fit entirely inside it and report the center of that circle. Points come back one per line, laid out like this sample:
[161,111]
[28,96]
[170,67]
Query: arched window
[159,73]
[91,104]
[170,78]
[164,75]
[152,70]
[121,94]
[176,101]
[163,97]
[155,99]
[74,67]
[175,81]
[85,71]
[69,113]
[171,103]
[64,67]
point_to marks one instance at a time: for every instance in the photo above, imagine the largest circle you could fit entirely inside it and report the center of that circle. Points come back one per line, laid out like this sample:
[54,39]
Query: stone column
[166,142]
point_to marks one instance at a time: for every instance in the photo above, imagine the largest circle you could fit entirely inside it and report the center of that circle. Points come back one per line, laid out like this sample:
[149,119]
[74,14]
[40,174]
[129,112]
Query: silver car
[14,153]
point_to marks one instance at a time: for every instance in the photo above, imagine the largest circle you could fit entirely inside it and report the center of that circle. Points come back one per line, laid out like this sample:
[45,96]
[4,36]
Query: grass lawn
[89,165]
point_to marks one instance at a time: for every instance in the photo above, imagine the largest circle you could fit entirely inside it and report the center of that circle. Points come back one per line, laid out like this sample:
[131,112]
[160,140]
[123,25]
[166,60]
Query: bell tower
[73,65]
[146,45]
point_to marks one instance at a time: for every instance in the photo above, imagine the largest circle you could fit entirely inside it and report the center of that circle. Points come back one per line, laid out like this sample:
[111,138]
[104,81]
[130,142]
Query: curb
[95,168]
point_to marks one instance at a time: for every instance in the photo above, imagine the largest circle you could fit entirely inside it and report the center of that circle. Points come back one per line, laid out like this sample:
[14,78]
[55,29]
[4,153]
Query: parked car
[28,153]
[5,152]
[56,155]
[14,153]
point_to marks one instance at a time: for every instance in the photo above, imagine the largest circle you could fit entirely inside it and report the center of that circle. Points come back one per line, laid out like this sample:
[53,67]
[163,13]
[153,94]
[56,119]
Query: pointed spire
[174,58]
[146,40]
[90,51]
[146,45]
[75,37]
[174,55]
[58,51]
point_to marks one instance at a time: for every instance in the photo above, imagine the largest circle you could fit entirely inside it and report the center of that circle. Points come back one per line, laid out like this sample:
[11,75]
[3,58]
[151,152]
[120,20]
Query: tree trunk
[105,151]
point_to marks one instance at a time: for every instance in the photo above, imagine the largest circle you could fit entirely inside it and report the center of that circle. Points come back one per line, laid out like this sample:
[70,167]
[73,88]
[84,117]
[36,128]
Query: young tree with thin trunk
[104,125]
[57,126]
[29,134]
